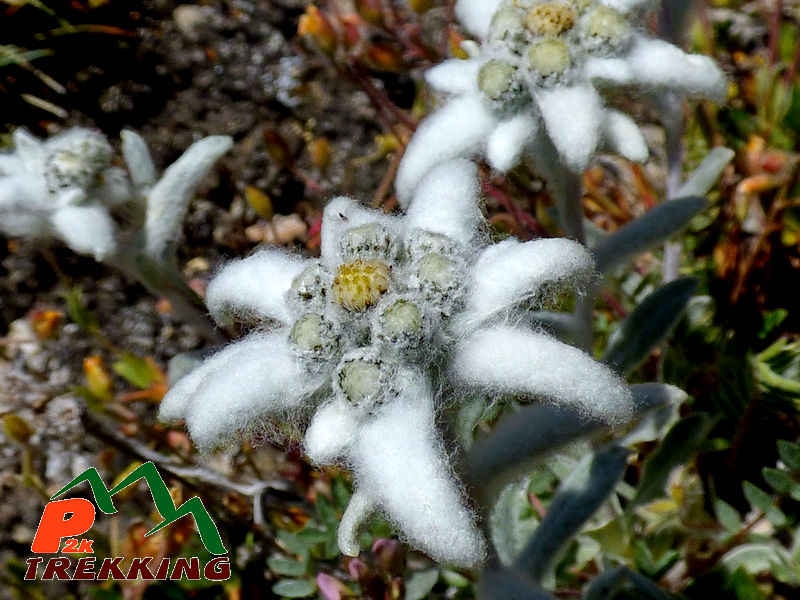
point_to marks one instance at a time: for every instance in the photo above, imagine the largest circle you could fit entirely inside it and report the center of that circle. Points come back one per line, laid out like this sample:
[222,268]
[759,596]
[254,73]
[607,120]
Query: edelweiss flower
[399,317]
[61,187]
[531,87]
[65,187]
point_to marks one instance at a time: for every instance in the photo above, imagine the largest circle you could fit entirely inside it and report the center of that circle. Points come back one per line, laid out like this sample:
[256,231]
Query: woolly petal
[17,215]
[86,229]
[623,136]
[508,360]
[455,76]
[330,433]
[447,202]
[608,71]
[138,159]
[626,6]
[359,509]
[510,272]
[340,215]
[262,380]
[30,150]
[115,189]
[458,129]
[510,139]
[658,64]
[400,462]
[170,197]
[10,165]
[173,405]
[254,288]
[476,15]
[572,116]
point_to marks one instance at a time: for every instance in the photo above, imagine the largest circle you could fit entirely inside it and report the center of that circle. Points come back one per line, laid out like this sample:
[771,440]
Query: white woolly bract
[509,140]
[572,116]
[86,229]
[169,198]
[509,360]
[625,6]
[264,381]
[331,431]
[175,402]
[623,136]
[138,160]
[17,217]
[254,287]
[359,509]
[659,64]
[455,76]
[28,148]
[459,129]
[447,202]
[510,272]
[341,214]
[476,15]
[400,462]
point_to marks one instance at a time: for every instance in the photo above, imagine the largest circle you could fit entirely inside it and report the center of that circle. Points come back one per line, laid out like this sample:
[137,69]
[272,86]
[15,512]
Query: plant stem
[674,125]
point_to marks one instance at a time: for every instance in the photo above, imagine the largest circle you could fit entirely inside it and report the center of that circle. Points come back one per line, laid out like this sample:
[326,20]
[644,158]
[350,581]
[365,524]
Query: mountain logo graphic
[73,517]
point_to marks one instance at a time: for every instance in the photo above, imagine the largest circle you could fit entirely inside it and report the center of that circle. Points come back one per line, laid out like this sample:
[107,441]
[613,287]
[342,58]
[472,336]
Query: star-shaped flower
[62,187]
[399,318]
[66,186]
[532,86]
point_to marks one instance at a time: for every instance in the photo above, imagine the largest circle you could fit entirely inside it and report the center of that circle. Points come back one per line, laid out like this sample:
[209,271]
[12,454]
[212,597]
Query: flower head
[66,187]
[534,85]
[398,316]
[61,187]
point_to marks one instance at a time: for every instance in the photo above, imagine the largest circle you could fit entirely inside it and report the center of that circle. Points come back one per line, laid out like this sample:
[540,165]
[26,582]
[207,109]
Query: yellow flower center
[550,19]
[360,284]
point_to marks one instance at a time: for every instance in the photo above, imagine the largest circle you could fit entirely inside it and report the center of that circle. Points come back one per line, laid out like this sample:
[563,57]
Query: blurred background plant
[321,99]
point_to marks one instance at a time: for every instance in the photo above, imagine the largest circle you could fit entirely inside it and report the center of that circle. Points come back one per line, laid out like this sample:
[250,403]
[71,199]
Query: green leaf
[648,325]
[578,498]
[519,440]
[420,584]
[727,516]
[294,588]
[650,565]
[285,566]
[755,558]
[677,447]
[136,371]
[512,521]
[648,231]
[659,403]
[311,536]
[764,502]
[455,579]
[78,312]
[292,542]
[700,182]
[327,513]
[744,587]
[778,480]
[509,584]
[790,454]
[341,493]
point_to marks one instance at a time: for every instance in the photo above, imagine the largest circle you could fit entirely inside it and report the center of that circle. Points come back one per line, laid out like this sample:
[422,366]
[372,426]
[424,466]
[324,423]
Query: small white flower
[55,188]
[533,86]
[65,187]
[398,317]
